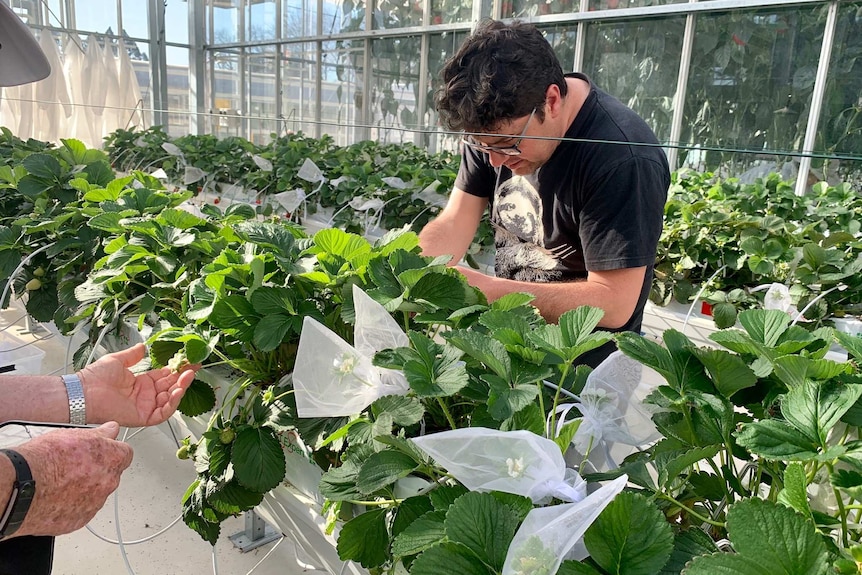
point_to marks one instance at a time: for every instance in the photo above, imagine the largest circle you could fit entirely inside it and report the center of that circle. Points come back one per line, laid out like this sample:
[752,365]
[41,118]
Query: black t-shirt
[594,205]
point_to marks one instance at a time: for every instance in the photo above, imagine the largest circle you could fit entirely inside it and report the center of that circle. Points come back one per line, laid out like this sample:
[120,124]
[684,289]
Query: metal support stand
[255,534]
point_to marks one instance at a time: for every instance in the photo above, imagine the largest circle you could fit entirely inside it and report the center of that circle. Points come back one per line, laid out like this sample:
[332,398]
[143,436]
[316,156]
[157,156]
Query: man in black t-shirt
[576,182]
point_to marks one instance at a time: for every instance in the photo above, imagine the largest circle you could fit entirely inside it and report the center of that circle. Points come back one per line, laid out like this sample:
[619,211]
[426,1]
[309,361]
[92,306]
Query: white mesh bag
[548,534]
[612,411]
[519,462]
[332,378]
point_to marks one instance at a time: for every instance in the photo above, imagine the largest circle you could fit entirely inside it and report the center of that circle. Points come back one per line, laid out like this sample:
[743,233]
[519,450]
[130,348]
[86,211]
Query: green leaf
[405,411]
[815,407]
[341,243]
[482,524]
[670,468]
[445,495]
[530,418]
[851,343]
[339,483]
[686,546]
[43,166]
[576,568]
[181,219]
[364,539]
[268,300]
[270,332]
[764,325]
[630,536]
[579,323]
[567,434]
[485,349]
[198,399]
[729,372]
[769,539]
[724,315]
[512,300]
[776,440]
[439,290]
[435,370]
[505,400]
[258,459]
[232,498]
[409,511]
[236,315]
[420,535]
[449,558]
[794,494]
[383,468]
[849,481]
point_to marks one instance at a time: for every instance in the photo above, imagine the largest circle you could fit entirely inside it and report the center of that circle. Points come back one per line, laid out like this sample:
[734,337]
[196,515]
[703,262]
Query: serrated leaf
[484,525]
[849,481]
[776,440]
[764,325]
[439,290]
[449,558]
[512,300]
[364,539]
[258,459]
[271,330]
[630,536]
[405,411]
[686,546]
[420,535]
[339,483]
[769,539]
[794,494]
[671,468]
[445,495]
[198,399]
[383,468]
[435,371]
[505,400]
[815,407]
[485,349]
[724,315]
[729,373]
[232,498]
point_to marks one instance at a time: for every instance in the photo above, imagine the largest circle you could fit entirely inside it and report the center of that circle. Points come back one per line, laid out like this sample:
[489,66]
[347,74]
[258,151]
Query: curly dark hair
[502,71]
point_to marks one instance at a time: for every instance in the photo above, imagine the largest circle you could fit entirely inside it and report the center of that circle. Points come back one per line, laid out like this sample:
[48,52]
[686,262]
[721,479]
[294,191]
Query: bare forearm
[554,299]
[34,398]
[437,239]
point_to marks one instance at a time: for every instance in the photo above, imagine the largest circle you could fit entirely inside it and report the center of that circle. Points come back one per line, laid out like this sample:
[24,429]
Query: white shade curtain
[90,93]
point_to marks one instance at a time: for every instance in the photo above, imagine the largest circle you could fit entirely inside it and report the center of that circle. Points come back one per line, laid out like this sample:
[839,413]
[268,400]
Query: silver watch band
[77,407]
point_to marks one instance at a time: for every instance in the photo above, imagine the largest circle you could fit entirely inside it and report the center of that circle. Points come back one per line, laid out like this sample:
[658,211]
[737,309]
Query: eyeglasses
[513,150]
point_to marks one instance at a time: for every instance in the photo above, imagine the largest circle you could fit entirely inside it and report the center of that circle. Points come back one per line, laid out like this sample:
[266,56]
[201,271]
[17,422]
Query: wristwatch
[75,391]
[23,491]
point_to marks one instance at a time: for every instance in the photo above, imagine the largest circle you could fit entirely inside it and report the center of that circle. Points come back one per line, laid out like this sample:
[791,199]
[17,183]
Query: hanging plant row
[454,435]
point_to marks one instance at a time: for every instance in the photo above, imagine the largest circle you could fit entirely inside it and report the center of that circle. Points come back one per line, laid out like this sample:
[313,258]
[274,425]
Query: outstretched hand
[114,393]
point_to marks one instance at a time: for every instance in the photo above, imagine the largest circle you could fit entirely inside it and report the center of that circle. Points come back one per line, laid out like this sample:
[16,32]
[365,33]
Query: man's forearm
[34,398]
[554,299]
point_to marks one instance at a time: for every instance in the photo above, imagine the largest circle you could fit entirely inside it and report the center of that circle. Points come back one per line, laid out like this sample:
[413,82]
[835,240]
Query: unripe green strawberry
[33,284]
[226,436]
[39,272]
[183,452]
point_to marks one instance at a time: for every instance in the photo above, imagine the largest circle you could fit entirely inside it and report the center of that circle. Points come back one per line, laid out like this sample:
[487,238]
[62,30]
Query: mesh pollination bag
[550,534]
[332,378]
[519,462]
[612,412]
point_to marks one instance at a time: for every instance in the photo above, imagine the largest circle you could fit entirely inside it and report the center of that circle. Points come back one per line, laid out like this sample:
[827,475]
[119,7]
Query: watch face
[27,489]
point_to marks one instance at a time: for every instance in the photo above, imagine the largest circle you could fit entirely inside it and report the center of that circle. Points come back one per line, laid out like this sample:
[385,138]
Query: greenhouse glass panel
[530,8]
[135,19]
[840,126]
[224,15]
[226,94]
[27,10]
[397,13]
[54,13]
[299,88]
[260,22]
[638,63]
[178,90]
[615,4]
[261,90]
[96,16]
[176,22]
[451,11]
[750,87]
[299,18]
[441,48]
[395,88]
[563,37]
[342,73]
[343,16]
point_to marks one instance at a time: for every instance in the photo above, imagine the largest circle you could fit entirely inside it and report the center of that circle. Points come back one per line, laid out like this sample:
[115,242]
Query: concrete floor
[148,500]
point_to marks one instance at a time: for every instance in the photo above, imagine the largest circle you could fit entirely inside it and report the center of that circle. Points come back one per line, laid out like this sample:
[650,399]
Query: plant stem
[376,503]
[563,373]
[690,511]
[446,413]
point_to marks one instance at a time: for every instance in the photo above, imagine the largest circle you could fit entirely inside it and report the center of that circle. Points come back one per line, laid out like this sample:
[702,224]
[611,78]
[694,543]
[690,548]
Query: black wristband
[23,491]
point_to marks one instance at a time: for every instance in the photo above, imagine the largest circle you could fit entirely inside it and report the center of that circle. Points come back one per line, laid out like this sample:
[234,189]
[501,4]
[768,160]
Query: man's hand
[114,393]
[75,471]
